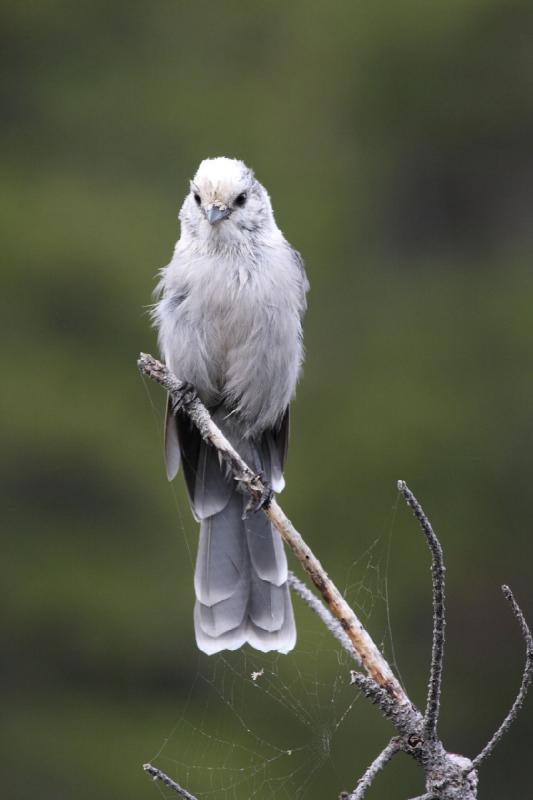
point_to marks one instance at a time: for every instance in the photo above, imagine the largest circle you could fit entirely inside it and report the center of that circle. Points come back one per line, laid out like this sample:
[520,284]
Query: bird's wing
[172,444]
[275,444]
[208,485]
[304,283]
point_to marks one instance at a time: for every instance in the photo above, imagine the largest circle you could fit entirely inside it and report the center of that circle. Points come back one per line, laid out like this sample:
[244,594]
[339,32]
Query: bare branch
[158,775]
[439,613]
[425,797]
[376,766]
[405,718]
[524,686]
[370,655]
[334,627]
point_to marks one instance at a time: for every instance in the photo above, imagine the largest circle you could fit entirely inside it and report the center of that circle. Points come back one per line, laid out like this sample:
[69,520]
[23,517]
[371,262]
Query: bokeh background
[396,142]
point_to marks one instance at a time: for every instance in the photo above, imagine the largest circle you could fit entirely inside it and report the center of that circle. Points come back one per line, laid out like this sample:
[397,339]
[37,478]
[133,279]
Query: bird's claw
[184,397]
[261,494]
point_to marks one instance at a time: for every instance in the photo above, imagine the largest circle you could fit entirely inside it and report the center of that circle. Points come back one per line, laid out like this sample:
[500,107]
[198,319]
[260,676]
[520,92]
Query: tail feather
[231,640]
[282,640]
[266,549]
[241,583]
[222,557]
[266,607]
[228,614]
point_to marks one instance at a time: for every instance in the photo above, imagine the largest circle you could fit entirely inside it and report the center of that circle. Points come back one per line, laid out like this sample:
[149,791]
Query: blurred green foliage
[395,139]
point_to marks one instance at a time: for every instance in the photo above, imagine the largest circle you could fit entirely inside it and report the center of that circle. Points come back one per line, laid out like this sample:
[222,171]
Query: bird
[229,310]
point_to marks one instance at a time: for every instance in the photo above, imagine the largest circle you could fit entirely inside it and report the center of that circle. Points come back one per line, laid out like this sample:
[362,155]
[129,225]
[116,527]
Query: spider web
[264,725]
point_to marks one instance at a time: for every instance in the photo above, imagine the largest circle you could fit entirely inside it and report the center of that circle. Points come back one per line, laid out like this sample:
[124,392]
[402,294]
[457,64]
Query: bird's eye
[197,199]
[240,200]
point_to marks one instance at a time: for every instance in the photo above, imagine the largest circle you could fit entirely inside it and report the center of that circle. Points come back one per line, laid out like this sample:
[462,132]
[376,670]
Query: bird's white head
[226,205]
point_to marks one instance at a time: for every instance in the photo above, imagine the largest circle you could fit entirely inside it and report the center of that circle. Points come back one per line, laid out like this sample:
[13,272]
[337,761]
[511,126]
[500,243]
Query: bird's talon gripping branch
[187,395]
[261,494]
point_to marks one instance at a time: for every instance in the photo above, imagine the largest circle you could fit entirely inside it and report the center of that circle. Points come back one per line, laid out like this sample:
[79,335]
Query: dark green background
[395,140]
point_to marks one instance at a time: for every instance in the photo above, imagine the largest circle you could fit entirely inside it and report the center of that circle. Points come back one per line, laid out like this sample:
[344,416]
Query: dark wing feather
[274,446]
[208,486]
[281,437]
[172,445]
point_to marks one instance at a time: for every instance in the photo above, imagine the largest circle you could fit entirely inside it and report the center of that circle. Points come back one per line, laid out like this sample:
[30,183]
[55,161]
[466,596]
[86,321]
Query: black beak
[215,214]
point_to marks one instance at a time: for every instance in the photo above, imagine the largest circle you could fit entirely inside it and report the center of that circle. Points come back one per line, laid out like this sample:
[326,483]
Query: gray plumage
[229,320]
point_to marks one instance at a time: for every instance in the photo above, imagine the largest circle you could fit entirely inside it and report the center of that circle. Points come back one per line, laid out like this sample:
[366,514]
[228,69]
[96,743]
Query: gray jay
[229,320]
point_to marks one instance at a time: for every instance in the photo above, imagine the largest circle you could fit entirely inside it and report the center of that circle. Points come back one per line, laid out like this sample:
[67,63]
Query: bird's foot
[186,395]
[261,494]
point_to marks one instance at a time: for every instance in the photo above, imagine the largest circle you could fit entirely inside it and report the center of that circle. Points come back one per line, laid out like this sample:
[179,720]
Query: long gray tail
[241,567]
[241,583]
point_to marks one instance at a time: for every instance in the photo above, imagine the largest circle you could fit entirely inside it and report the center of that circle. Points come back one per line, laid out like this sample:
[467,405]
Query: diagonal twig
[158,775]
[524,686]
[439,613]
[403,717]
[406,719]
[428,796]
[376,766]
[333,626]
